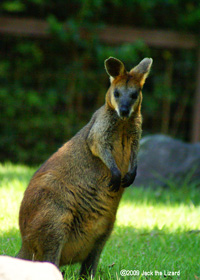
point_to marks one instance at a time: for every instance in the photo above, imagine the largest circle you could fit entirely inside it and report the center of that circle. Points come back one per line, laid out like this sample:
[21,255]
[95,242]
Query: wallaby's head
[125,95]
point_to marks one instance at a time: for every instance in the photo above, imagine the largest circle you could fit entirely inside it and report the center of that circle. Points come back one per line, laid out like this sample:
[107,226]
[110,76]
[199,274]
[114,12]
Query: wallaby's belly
[77,249]
[96,212]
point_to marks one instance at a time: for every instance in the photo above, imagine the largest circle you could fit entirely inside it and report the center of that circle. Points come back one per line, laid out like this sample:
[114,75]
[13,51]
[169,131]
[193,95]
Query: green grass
[156,230]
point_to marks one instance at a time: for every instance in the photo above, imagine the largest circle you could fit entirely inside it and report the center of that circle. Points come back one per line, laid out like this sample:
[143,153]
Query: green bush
[49,87]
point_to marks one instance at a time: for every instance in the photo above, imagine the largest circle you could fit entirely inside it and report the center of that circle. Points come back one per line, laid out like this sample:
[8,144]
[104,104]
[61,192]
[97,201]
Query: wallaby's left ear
[142,70]
[114,67]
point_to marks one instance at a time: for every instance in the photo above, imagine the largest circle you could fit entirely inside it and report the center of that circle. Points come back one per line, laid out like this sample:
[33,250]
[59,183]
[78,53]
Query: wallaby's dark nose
[124,111]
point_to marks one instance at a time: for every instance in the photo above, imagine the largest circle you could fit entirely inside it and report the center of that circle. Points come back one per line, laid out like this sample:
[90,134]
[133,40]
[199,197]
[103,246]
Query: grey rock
[162,159]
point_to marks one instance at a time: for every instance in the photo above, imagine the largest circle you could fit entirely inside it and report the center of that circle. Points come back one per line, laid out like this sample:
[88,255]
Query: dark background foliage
[49,87]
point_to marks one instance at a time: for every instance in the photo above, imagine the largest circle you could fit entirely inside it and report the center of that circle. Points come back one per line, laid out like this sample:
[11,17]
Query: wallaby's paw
[129,178]
[115,181]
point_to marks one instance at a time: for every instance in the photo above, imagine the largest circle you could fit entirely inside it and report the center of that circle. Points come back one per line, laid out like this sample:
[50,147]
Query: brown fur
[69,208]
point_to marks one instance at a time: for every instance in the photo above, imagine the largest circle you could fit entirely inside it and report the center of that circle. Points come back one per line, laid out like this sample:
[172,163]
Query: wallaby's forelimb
[129,178]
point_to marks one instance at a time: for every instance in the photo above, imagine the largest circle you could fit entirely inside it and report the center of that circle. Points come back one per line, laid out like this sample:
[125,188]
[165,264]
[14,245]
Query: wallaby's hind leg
[49,252]
[89,265]
[43,241]
[52,253]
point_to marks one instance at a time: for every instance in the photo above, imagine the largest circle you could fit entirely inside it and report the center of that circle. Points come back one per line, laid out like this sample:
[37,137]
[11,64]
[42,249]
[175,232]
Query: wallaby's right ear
[114,67]
[142,70]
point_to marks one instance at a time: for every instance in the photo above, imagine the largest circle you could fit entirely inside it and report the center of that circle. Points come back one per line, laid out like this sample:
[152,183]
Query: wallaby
[69,208]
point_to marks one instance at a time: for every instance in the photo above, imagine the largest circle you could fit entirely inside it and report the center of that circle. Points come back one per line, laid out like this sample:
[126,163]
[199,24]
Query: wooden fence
[116,35]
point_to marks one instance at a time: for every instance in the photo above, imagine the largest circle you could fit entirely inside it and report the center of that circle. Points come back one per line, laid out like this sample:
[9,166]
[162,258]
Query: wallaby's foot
[87,272]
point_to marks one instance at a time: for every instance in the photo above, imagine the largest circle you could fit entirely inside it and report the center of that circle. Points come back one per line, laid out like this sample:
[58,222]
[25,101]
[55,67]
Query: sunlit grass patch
[157,230]
[159,209]
[13,181]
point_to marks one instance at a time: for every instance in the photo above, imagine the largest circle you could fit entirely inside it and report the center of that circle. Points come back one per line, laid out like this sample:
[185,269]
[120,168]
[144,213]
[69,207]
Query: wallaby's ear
[114,67]
[142,70]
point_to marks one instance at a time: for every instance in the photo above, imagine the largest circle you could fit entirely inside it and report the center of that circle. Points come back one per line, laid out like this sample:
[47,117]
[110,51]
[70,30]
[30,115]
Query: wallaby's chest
[122,151]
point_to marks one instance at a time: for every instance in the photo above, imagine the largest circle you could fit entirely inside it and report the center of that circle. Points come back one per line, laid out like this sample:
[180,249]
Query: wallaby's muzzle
[124,112]
[125,107]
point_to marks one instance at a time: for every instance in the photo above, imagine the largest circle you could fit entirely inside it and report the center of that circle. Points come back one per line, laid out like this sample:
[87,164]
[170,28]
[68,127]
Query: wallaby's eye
[116,93]
[134,95]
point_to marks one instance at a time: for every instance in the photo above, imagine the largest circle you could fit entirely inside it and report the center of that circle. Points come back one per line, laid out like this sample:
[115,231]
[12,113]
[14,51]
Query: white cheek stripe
[131,111]
[117,110]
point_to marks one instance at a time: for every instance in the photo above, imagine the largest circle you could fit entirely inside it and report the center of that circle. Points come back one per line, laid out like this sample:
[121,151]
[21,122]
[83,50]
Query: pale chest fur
[122,151]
